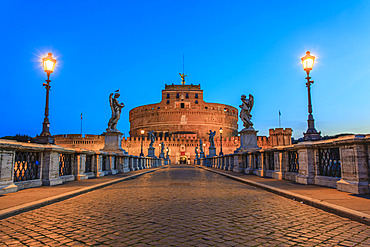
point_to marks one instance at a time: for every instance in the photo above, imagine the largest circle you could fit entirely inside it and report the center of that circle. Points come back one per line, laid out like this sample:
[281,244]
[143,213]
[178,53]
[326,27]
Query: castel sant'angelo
[180,120]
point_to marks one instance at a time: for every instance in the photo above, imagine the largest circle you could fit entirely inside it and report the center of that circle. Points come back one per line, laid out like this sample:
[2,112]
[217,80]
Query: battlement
[174,87]
[280,136]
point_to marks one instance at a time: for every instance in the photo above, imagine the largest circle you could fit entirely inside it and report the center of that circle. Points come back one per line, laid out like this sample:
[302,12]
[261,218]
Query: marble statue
[196,151]
[201,145]
[211,138]
[245,113]
[152,139]
[116,108]
[162,147]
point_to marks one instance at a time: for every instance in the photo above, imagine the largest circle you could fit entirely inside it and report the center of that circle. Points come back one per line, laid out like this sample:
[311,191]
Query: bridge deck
[180,206]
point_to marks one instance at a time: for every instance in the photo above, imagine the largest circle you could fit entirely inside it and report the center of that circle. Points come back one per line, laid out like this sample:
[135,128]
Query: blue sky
[231,48]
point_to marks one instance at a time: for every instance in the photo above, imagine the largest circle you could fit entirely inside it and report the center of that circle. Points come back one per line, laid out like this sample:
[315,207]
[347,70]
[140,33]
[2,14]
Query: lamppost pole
[46,124]
[45,136]
[221,153]
[142,138]
[311,133]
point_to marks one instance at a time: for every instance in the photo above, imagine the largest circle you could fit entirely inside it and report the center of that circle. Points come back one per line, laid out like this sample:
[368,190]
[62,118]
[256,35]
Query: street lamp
[221,153]
[311,133]
[49,65]
[142,137]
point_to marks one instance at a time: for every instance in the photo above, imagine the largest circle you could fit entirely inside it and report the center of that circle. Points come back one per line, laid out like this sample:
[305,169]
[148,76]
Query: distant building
[179,120]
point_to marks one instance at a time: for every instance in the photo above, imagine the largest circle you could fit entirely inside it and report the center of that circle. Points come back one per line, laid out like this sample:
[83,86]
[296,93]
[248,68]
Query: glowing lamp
[142,132]
[49,63]
[221,130]
[308,61]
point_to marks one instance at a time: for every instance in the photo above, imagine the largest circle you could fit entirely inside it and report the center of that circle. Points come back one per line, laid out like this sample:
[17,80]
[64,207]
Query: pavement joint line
[12,211]
[326,206]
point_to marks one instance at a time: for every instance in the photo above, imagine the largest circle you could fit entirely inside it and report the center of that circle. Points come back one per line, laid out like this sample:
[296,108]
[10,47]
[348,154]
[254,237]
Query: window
[168,101]
[177,95]
[187,96]
[168,96]
[196,96]
[196,102]
[182,105]
[206,107]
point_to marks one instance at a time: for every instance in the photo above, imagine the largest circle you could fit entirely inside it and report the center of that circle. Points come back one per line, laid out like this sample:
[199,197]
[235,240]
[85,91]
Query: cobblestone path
[180,206]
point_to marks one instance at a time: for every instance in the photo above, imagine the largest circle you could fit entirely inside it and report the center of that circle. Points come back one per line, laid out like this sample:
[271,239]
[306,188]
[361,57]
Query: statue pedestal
[112,142]
[201,156]
[151,152]
[212,152]
[248,140]
[161,155]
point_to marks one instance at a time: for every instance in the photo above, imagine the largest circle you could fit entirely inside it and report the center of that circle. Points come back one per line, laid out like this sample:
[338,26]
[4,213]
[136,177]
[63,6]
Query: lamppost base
[312,135]
[45,139]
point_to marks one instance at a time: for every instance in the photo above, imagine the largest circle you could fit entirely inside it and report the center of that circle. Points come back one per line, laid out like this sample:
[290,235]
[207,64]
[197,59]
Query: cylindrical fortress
[183,113]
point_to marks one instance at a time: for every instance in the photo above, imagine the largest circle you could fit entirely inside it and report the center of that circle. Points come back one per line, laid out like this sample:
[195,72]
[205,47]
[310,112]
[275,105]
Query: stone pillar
[115,164]
[355,177]
[231,163]
[126,164]
[278,161]
[249,167]
[238,163]
[50,168]
[262,166]
[81,159]
[306,159]
[99,165]
[7,172]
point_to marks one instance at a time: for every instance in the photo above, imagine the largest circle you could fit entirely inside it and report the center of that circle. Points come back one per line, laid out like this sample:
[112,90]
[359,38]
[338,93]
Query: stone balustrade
[27,165]
[341,163]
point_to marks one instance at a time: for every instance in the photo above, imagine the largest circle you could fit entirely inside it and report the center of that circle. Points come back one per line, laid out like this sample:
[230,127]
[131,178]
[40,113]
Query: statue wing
[251,100]
[111,103]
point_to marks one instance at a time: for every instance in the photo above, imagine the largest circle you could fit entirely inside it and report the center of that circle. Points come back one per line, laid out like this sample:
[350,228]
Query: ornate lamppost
[49,65]
[142,137]
[311,133]
[221,153]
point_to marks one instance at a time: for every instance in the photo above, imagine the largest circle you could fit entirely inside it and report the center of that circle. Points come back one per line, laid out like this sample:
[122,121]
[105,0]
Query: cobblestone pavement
[180,206]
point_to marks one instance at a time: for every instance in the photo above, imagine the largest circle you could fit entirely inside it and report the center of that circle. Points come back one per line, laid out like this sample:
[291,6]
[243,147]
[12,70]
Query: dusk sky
[230,48]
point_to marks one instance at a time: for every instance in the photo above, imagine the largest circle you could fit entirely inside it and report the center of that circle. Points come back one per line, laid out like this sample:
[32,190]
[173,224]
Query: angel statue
[201,145]
[245,113]
[116,108]
[211,136]
[162,148]
[152,138]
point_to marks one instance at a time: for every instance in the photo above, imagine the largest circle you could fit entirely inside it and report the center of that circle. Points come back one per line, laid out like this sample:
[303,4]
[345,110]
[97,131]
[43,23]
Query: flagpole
[279,119]
[81,123]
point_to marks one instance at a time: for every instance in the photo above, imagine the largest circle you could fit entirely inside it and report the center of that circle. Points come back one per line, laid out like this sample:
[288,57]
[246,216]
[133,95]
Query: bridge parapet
[27,165]
[341,163]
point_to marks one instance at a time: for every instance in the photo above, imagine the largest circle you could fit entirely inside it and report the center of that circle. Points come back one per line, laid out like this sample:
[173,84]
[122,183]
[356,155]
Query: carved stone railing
[341,163]
[26,165]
